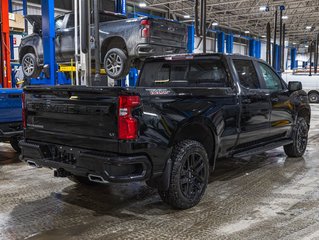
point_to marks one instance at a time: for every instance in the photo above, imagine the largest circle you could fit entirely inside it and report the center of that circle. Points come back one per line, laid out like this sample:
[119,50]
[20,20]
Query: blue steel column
[133,77]
[120,6]
[293,56]
[252,47]
[258,49]
[277,58]
[191,39]
[48,37]
[230,43]
[221,42]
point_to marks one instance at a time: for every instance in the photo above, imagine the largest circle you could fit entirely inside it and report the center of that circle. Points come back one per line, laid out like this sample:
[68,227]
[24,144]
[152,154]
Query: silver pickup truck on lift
[124,42]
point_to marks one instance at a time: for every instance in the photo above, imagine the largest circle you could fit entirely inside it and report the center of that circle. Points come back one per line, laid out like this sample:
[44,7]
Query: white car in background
[310,84]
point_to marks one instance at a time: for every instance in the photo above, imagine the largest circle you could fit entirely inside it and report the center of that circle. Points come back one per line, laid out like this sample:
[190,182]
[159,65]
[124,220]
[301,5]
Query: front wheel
[300,139]
[116,64]
[189,175]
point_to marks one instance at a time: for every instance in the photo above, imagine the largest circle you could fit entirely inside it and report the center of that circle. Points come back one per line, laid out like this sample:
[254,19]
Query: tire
[116,64]
[300,139]
[82,180]
[15,144]
[313,97]
[189,176]
[30,66]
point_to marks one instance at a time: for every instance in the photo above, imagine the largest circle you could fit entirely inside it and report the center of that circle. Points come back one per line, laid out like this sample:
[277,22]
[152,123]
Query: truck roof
[195,55]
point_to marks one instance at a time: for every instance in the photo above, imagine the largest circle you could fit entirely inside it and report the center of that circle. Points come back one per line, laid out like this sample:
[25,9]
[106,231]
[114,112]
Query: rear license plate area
[64,155]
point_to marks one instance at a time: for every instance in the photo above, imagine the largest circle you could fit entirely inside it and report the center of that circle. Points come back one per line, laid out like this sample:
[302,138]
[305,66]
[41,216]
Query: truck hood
[36,22]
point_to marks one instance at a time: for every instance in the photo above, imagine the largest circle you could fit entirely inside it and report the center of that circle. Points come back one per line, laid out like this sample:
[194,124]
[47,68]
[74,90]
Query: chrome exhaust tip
[33,164]
[95,178]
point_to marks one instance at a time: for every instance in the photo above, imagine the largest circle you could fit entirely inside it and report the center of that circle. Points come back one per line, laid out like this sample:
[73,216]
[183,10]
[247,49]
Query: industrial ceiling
[301,17]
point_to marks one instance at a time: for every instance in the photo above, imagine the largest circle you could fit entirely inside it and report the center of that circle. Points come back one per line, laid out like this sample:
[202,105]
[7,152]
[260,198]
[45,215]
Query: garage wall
[239,48]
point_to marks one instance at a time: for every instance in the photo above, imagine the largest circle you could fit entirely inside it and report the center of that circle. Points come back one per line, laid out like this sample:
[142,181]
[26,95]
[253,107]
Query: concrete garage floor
[268,196]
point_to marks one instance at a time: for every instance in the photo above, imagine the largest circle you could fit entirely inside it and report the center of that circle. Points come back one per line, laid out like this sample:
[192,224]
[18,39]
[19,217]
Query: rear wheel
[81,180]
[15,144]
[189,175]
[313,97]
[116,64]
[300,139]
[30,66]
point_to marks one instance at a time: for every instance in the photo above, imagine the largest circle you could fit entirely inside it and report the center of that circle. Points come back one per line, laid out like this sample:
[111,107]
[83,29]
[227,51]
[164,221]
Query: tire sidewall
[316,98]
[124,68]
[36,65]
[181,158]
[14,142]
[300,122]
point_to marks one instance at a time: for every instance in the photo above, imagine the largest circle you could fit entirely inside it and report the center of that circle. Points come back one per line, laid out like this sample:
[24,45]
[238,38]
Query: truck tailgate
[74,116]
[165,32]
[10,105]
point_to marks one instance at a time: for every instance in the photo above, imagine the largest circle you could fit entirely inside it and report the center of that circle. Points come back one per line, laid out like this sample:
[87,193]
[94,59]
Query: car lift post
[120,7]
[48,36]
[48,39]
[5,66]
[191,39]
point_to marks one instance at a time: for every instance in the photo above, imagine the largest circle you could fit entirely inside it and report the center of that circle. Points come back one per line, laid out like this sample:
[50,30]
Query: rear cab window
[192,73]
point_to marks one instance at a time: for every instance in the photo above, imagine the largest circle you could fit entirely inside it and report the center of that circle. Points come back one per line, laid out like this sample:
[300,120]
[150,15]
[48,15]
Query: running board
[262,149]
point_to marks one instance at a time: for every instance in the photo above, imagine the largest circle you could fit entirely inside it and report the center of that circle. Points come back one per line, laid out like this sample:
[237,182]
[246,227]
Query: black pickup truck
[124,42]
[186,112]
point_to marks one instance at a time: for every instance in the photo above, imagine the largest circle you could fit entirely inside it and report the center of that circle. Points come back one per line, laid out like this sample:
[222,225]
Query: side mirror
[294,86]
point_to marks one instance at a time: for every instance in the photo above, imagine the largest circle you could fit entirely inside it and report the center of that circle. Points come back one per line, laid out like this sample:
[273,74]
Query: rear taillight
[24,117]
[146,28]
[127,124]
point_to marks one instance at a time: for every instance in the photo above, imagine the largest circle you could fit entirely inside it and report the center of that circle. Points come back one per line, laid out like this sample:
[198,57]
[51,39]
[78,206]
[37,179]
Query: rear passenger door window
[247,74]
[210,73]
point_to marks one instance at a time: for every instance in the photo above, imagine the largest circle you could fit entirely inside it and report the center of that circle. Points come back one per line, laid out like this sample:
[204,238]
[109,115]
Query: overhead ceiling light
[263,36]
[215,23]
[306,46]
[308,27]
[187,16]
[285,17]
[264,8]
[294,43]
[142,5]
[247,32]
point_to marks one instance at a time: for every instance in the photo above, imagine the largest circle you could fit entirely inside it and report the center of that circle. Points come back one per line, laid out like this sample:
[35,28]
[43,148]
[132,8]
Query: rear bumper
[83,162]
[146,50]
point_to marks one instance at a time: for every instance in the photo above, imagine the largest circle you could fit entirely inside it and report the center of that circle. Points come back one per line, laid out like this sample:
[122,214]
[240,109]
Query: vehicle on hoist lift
[124,42]
[11,117]
[186,112]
